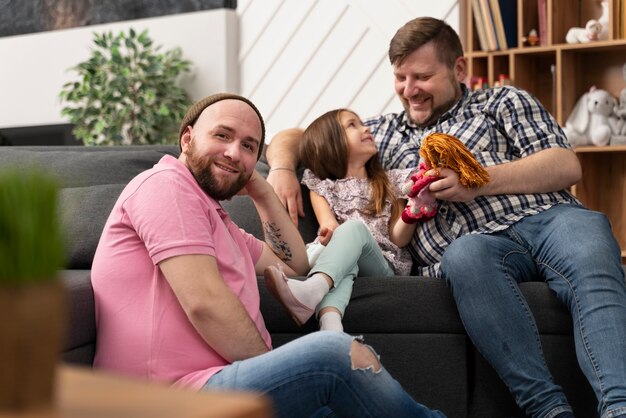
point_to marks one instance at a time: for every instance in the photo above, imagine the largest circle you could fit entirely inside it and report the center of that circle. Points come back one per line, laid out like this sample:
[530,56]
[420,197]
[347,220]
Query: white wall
[33,67]
[301,58]
[295,59]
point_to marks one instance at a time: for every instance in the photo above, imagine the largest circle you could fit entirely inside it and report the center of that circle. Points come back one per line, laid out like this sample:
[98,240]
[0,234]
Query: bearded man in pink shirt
[176,291]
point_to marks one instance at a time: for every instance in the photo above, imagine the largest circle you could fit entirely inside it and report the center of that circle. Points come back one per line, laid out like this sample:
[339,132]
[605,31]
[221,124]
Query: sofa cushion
[91,179]
[80,343]
[84,211]
[79,166]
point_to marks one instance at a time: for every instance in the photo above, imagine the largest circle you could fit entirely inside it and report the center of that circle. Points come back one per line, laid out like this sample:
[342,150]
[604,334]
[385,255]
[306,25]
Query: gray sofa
[411,321]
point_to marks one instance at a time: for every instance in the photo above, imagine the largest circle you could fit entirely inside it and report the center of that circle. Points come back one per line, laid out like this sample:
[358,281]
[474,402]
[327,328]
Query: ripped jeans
[322,374]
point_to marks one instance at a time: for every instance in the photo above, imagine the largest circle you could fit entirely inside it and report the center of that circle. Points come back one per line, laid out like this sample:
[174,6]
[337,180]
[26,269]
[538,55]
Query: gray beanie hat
[194,112]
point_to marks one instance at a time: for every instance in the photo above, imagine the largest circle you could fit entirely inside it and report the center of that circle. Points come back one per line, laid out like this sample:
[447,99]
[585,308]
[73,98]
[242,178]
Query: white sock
[331,321]
[310,291]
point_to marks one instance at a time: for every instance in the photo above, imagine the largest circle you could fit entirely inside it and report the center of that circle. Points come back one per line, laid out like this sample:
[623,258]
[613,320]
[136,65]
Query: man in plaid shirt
[522,226]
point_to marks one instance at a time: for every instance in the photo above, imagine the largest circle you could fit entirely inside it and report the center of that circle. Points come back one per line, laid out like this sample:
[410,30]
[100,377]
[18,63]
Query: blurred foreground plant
[31,246]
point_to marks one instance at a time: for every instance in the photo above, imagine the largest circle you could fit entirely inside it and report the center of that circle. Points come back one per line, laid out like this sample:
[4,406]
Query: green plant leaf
[127,92]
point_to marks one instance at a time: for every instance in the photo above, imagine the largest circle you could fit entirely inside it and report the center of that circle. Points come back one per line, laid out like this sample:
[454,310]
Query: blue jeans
[573,250]
[314,376]
[351,252]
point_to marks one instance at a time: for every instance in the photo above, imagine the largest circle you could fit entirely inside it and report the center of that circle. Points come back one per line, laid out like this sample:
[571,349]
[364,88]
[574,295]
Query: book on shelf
[490,29]
[480,26]
[618,10]
[623,18]
[498,24]
[542,13]
[508,13]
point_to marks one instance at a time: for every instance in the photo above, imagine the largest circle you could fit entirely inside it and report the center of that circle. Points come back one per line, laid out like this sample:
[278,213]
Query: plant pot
[32,331]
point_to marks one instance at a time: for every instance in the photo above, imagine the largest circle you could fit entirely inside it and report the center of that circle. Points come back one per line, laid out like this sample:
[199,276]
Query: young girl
[357,204]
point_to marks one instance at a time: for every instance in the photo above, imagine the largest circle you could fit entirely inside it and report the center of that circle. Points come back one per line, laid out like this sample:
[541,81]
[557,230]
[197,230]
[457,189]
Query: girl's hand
[326,233]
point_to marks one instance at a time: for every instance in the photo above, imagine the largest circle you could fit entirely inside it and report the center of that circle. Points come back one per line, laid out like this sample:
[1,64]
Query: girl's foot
[331,321]
[299,298]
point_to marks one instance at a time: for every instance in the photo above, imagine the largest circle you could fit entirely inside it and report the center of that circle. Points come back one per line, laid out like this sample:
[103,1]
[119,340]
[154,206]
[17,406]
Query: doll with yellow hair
[439,150]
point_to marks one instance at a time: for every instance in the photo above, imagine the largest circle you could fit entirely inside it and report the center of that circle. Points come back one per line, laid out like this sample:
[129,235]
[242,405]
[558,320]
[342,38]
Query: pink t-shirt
[141,328]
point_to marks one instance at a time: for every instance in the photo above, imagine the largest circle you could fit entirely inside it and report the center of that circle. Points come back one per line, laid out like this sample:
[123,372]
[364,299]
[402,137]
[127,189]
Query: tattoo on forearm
[274,240]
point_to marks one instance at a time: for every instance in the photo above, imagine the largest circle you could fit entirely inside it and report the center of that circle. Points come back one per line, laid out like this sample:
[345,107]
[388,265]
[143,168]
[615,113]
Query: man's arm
[213,309]
[546,171]
[283,242]
[282,156]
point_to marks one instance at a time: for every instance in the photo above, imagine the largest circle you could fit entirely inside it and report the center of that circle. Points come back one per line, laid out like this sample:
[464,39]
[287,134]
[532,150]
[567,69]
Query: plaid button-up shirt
[498,126]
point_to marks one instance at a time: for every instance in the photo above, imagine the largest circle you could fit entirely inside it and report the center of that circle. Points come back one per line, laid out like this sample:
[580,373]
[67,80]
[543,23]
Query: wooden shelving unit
[558,74]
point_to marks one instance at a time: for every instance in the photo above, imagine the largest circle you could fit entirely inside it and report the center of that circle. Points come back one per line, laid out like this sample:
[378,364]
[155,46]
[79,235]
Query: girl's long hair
[324,151]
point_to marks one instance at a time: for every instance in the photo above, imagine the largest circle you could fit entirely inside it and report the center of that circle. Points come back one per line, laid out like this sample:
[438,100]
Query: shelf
[598,46]
[608,148]
[558,74]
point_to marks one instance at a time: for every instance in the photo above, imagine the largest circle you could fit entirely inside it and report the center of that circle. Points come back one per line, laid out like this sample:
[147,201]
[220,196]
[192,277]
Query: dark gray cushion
[81,333]
[79,166]
[84,211]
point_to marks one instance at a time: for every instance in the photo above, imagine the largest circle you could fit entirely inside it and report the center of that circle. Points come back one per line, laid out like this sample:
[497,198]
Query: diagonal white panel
[270,42]
[321,69]
[295,57]
[301,58]
[254,18]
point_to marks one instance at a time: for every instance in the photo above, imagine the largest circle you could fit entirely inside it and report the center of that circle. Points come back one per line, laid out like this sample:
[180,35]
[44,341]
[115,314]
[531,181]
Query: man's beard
[201,170]
[435,114]
[437,111]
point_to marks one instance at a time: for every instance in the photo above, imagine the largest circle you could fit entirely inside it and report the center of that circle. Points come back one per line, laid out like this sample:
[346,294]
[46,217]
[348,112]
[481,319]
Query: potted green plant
[128,92]
[32,298]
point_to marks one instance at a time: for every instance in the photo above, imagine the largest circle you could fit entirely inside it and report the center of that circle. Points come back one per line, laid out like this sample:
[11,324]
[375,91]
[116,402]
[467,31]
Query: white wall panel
[321,69]
[264,49]
[34,67]
[352,76]
[300,58]
[294,59]
[254,18]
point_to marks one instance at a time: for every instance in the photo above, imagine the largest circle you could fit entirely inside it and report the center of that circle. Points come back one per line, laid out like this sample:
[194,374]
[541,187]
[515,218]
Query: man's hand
[254,184]
[287,187]
[449,188]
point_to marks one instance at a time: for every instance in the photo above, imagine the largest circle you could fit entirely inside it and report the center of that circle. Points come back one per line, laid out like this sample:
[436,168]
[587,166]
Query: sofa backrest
[92,178]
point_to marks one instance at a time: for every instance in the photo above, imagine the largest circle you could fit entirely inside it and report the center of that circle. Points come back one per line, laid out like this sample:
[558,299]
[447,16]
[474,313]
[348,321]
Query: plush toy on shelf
[604,21]
[439,150]
[619,126]
[591,32]
[589,123]
[532,39]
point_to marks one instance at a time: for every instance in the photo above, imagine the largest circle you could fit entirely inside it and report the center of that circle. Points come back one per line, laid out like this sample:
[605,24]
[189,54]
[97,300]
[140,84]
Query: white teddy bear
[589,121]
[604,21]
[591,32]
[619,128]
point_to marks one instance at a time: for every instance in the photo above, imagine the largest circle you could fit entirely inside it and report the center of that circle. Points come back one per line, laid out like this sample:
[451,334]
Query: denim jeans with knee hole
[573,250]
[314,376]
